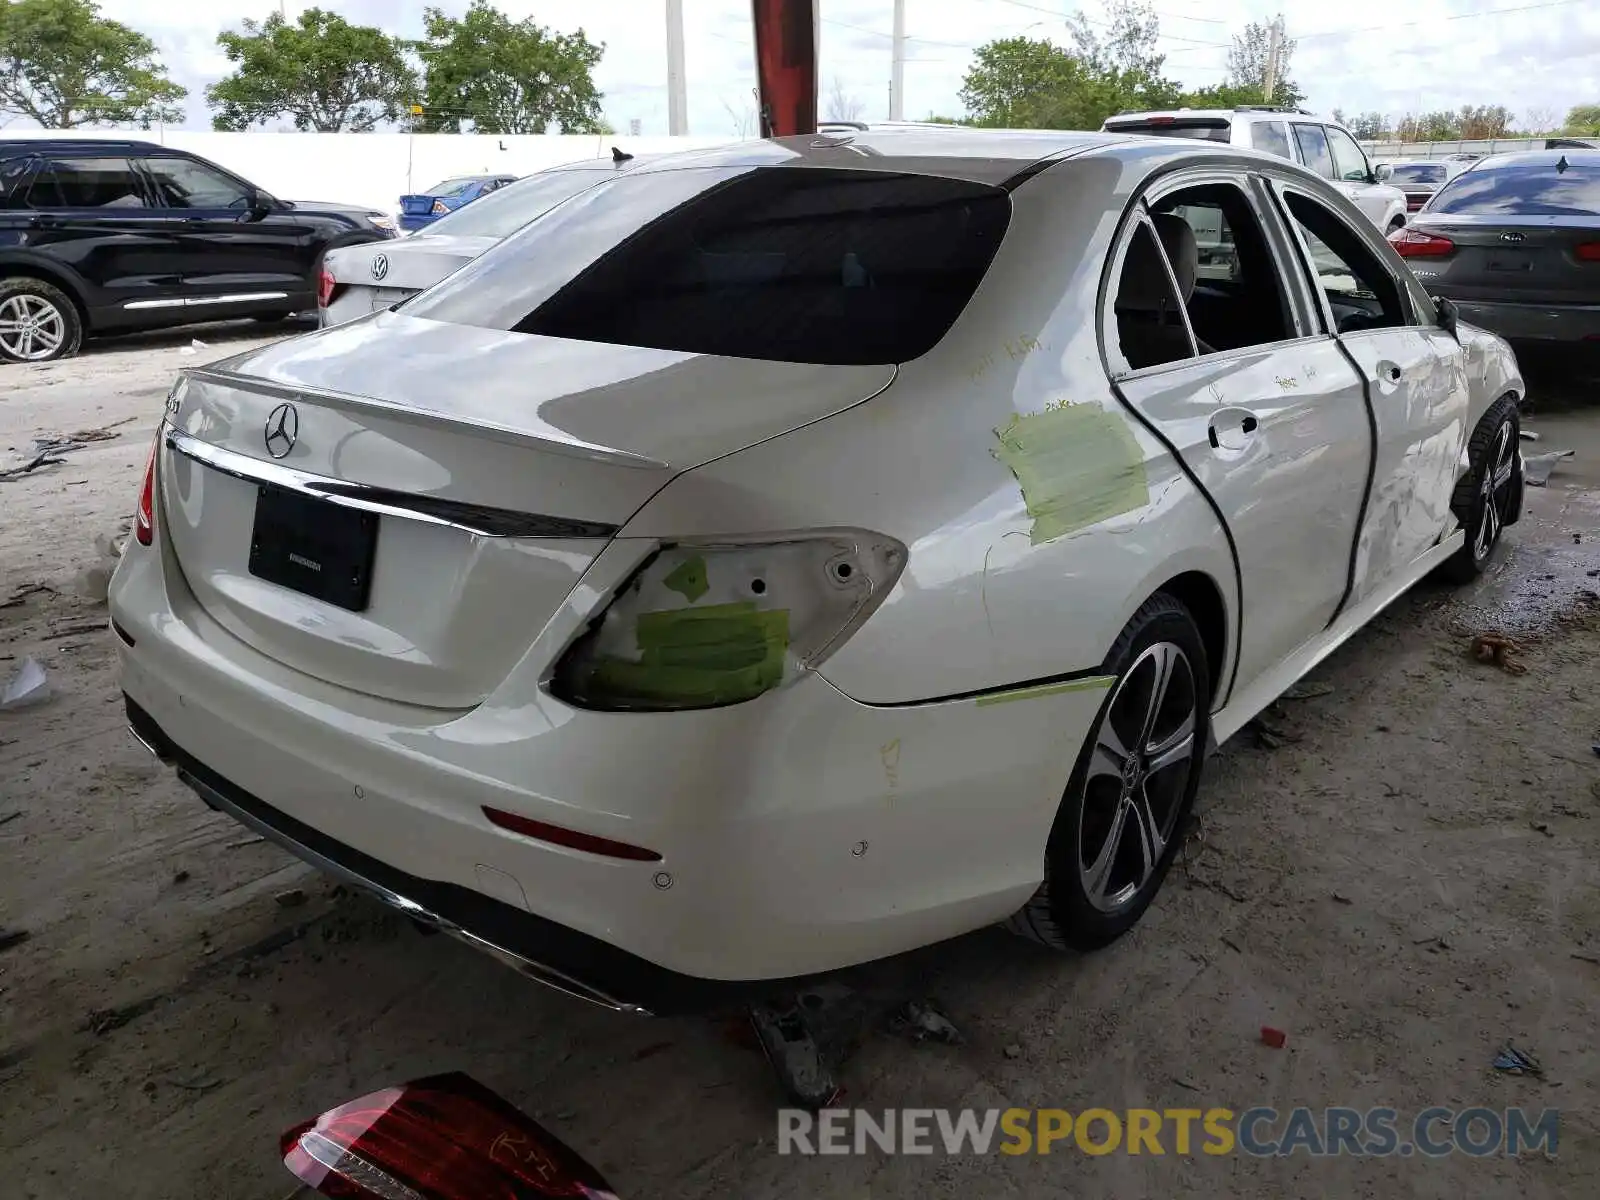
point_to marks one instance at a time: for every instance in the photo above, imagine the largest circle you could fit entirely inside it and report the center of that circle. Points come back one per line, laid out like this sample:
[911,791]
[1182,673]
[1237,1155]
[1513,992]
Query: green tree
[494,75]
[64,65]
[1121,64]
[1369,126]
[1483,121]
[1221,95]
[1247,66]
[1584,120]
[1023,83]
[321,71]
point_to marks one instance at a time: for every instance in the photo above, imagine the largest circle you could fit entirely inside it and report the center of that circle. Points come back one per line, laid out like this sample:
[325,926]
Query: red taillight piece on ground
[569,838]
[443,1138]
[1588,252]
[1276,1038]
[325,287]
[1413,243]
[144,517]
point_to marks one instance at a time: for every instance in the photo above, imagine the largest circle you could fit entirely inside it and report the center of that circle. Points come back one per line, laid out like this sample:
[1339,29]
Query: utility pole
[677,93]
[1274,52]
[897,76]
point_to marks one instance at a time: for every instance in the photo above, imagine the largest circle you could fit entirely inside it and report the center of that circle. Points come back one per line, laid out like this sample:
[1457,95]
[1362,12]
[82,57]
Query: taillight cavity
[326,286]
[1414,243]
[144,517]
[1588,252]
[440,208]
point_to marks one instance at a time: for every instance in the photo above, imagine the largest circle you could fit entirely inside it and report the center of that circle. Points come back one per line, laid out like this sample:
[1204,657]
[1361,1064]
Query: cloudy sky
[1357,55]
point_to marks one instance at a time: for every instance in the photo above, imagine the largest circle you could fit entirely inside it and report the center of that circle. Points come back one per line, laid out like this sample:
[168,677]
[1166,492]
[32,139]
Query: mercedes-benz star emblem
[380,265]
[283,427]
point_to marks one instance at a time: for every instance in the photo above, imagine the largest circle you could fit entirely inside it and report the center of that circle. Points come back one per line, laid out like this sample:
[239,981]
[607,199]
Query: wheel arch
[17,266]
[1198,592]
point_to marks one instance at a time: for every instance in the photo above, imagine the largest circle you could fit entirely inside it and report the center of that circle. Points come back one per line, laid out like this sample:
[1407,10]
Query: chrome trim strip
[200,301]
[479,519]
[534,970]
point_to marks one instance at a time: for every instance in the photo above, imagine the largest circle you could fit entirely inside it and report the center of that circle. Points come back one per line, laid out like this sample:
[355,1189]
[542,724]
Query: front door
[1415,374]
[1353,176]
[230,256]
[1262,405]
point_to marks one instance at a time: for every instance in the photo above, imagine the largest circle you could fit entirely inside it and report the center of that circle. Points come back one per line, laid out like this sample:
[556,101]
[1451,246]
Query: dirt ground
[1404,883]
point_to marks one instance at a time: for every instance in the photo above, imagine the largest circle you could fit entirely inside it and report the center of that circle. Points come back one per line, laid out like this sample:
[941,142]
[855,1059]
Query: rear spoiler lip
[546,439]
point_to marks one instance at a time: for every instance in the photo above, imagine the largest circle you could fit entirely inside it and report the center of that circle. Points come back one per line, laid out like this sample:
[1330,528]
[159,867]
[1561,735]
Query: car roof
[11,147]
[991,156]
[1261,112]
[1490,162]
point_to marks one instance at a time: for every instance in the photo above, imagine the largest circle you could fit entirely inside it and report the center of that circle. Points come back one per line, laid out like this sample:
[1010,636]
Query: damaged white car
[785,556]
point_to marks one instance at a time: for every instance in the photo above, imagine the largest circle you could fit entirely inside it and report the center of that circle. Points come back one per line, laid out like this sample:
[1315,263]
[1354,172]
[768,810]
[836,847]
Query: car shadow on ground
[213,333]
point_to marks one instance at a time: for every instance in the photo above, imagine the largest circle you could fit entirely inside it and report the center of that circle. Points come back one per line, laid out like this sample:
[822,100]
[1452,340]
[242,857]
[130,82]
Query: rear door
[227,254]
[94,213]
[1415,377]
[1264,408]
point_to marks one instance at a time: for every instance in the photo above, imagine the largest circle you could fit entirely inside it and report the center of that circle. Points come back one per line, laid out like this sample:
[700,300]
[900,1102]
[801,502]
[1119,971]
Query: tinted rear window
[506,210]
[791,264]
[1417,173]
[1528,189]
[1206,131]
[450,187]
[1272,137]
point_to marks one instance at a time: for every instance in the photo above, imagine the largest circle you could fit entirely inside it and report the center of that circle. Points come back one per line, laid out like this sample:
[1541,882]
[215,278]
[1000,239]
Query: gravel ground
[1403,884]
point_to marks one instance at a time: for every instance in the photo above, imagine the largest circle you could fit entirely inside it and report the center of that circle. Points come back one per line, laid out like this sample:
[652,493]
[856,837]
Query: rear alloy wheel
[38,322]
[1489,496]
[1124,811]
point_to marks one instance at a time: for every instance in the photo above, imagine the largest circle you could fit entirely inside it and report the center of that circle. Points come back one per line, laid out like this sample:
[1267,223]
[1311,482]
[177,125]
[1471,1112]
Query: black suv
[110,236]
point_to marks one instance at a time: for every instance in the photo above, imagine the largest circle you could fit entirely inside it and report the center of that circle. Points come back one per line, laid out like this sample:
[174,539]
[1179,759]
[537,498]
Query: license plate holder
[1510,260]
[313,547]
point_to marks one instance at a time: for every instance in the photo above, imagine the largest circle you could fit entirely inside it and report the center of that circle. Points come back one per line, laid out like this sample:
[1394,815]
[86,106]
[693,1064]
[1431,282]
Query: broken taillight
[326,286]
[144,517]
[446,1137]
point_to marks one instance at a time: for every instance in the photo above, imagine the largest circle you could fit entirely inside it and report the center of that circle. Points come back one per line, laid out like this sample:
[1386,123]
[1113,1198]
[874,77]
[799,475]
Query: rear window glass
[1535,188]
[87,183]
[450,187]
[790,264]
[506,210]
[1205,131]
[12,173]
[1418,173]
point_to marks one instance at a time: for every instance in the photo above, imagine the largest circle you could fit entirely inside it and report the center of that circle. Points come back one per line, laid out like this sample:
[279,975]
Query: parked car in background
[1419,178]
[1514,241]
[102,236]
[359,280]
[582,606]
[422,209]
[1323,146]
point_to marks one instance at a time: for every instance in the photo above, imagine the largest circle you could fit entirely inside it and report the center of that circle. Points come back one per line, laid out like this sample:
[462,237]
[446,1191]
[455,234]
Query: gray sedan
[1515,242]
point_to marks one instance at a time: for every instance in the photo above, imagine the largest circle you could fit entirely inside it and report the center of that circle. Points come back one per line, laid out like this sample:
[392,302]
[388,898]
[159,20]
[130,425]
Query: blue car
[420,210]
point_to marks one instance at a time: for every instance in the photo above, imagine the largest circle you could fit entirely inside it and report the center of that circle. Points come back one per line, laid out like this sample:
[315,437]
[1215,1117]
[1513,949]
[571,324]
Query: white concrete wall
[377,168]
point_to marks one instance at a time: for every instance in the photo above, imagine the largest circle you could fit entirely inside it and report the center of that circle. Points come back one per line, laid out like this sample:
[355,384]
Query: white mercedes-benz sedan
[781,557]
[356,281]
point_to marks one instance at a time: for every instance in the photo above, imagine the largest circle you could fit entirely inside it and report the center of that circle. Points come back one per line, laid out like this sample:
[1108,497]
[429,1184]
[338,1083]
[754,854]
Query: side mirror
[1448,316]
[258,204]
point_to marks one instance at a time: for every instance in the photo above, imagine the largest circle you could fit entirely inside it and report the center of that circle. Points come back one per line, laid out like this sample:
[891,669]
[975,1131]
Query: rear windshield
[450,187]
[1418,173]
[790,264]
[502,213]
[1206,131]
[1564,187]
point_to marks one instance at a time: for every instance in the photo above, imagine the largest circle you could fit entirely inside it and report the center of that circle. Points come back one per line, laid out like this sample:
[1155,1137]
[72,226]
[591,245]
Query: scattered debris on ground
[922,1021]
[1306,690]
[12,937]
[1516,1062]
[1276,1038]
[28,685]
[1537,468]
[1498,649]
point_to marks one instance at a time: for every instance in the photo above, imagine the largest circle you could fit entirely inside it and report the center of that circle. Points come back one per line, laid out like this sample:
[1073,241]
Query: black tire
[1064,913]
[1397,223]
[1489,496]
[54,330]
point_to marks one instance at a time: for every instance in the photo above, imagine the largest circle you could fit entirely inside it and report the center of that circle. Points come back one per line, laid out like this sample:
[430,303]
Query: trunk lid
[416,205]
[493,468]
[1522,259]
[411,264]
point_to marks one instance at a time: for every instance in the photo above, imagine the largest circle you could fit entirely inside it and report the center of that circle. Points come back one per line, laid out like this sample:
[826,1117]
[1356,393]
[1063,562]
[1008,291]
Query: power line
[890,36]
[1486,12]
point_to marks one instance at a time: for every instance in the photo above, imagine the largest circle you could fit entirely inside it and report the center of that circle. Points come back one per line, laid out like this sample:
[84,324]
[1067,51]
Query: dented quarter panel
[1038,512]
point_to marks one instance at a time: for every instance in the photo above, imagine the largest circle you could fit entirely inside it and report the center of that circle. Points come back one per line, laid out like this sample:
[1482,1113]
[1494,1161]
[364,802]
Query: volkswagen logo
[283,428]
[1511,237]
[380,265]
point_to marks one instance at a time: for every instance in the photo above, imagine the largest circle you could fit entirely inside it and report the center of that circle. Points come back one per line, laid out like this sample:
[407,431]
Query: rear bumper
[1533,322]
[411,222]
[799,833]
